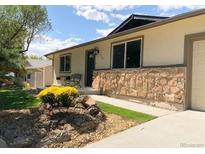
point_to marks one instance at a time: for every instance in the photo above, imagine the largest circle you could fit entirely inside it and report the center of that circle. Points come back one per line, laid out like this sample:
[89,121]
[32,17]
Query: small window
[28,77]
[127,54]
[65,63]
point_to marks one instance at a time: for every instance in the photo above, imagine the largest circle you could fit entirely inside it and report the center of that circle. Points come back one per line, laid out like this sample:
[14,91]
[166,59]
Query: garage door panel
[198,76]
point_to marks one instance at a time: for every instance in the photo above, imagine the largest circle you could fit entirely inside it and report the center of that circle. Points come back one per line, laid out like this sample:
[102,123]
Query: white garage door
[198,76]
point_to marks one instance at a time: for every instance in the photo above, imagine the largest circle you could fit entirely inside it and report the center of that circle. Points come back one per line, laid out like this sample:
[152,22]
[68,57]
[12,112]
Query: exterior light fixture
[95,51]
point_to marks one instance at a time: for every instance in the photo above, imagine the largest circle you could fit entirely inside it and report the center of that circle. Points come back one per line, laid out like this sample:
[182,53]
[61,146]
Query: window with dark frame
[133,54]
[127,54]
[118,56]
[65,63]
[28,77]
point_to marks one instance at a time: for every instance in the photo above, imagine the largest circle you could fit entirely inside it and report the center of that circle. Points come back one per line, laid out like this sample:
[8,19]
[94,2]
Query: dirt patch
[63,127]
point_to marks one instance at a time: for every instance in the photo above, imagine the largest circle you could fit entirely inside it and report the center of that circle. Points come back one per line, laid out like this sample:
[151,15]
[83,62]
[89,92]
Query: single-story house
[159,61]
[39,73]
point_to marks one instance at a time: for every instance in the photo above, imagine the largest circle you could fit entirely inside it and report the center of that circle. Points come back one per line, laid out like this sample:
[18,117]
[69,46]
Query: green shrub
[49,98]
[64,99]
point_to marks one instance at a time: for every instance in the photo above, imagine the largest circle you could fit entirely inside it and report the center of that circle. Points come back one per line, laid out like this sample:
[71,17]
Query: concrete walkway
[132,105]
[181,129]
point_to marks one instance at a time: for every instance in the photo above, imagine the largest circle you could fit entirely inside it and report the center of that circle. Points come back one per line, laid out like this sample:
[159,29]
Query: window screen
[133,54]
[61,63]
[130,49]
[65,63]
[118,56]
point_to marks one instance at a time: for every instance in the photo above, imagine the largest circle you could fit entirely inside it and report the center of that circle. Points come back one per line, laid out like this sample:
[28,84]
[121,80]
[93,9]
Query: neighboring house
[156,60]
[39,73]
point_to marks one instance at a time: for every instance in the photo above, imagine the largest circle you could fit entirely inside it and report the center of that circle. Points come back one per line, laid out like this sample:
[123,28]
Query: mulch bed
[62,127]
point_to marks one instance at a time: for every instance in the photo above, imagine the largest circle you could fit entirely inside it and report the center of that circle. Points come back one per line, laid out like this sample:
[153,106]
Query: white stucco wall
[48,75]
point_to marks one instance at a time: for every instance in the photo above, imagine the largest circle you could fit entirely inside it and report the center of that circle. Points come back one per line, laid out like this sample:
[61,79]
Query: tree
[32,56]
[18,26]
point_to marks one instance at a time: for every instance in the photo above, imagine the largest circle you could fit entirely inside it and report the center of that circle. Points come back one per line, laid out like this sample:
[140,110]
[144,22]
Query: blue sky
[72,25]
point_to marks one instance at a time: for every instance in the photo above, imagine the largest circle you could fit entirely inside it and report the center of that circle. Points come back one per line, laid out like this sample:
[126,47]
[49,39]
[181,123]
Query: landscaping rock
[3,143]
[80,105]
[89,102]
[68,127]
[55,136]
[101,116]
[45,107]
[80,99]
[87,127]
[78,121]
[62,122]
[42,132]
[53,124]
[22,142]
[93,110]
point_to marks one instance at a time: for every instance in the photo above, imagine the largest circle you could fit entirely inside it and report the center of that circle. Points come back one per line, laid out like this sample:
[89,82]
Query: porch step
[89,91]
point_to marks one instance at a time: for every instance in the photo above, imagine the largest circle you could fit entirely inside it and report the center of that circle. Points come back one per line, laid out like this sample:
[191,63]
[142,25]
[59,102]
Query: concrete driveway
[181,129]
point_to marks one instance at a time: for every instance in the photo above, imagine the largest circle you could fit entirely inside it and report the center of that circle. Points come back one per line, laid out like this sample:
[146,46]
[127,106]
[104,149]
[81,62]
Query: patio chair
[74,80]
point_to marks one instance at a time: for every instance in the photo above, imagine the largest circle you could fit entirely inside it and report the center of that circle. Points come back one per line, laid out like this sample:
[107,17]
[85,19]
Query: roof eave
[151,25]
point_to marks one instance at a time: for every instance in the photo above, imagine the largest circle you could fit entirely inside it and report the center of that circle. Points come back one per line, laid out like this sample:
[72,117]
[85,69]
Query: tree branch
[6,44]
[29,39]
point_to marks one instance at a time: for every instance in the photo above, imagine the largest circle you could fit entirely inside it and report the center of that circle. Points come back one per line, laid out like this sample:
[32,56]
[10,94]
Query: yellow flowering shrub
[58,96]
[48,90]
[68,90]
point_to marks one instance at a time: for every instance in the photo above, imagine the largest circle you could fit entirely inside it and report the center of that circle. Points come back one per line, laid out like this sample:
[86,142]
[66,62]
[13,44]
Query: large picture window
[65,63]
[127,54]
[118,56]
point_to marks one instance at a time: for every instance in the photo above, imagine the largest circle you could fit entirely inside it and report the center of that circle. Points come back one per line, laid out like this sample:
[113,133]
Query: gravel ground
[69,128]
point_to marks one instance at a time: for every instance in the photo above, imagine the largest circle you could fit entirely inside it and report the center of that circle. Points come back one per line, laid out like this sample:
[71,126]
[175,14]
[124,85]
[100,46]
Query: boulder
[89,102]
[78,121]
[3,143]
[55,136]
[101,116]
[45,106]
[80,99]
[93,110]
[79,105]
[68,127]
[62,122]
[22,142]
[42,132]
[88,127]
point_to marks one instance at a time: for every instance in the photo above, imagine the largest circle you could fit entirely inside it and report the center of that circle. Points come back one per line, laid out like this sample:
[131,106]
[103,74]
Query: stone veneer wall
[161,87]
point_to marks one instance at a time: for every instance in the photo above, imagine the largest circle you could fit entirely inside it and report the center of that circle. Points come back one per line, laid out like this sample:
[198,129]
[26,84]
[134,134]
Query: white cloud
[91,13]
[120,16]
[104,32]
[110,8]
[167,8]
[44,44]
[103,13]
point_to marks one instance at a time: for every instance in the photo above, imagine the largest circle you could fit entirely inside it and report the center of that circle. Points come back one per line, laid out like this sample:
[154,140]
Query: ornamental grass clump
[58,96]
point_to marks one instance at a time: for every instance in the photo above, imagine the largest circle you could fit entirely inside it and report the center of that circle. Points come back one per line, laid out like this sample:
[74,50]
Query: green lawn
[138,116]
[17,99]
